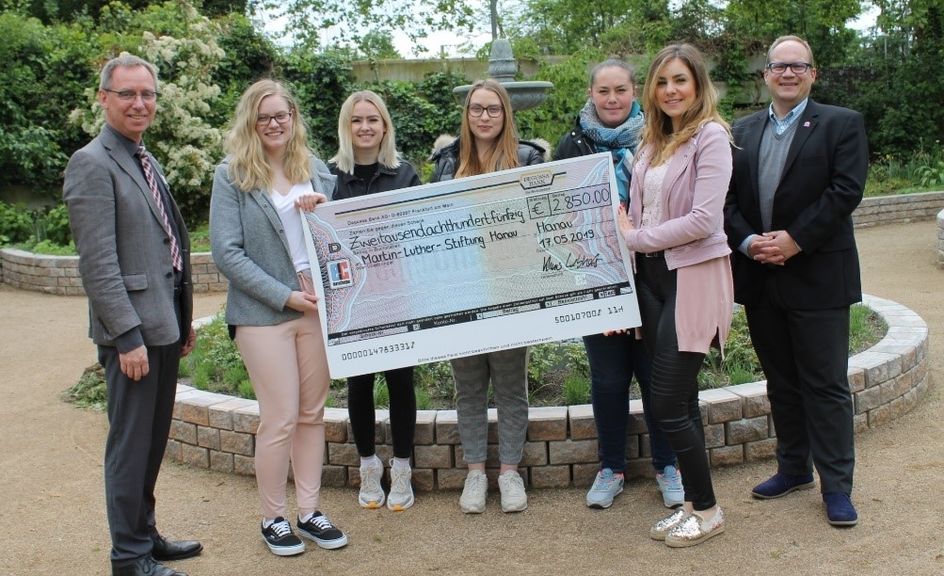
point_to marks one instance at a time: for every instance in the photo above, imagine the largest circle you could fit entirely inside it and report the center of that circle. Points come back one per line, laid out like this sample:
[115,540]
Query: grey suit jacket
[250,248]
[124,256]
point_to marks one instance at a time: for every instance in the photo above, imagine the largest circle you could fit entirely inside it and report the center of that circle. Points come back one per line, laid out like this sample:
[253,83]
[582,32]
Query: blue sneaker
[839,509]
[670,485]
[606,487]
[781,484]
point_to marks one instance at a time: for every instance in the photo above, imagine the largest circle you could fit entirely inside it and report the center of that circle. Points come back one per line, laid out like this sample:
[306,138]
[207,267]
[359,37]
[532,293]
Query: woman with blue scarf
[612,121]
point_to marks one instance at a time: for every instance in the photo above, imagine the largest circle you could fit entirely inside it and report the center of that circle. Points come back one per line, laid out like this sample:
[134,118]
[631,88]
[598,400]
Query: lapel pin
[806,124]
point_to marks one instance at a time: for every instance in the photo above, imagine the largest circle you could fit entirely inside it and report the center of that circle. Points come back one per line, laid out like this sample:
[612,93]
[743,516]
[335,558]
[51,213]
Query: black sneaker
[320,529]
[280,539]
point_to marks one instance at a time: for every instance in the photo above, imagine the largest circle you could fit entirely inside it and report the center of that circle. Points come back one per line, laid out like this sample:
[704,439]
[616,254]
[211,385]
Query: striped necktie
[156,194]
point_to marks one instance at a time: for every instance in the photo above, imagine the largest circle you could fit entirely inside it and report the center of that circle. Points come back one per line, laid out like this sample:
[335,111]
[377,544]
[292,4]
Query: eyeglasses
[476,111]
[795,67]
[130,95]
[281,118]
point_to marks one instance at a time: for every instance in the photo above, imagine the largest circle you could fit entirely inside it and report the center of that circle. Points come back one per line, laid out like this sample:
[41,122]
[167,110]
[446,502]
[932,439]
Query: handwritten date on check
[470,266]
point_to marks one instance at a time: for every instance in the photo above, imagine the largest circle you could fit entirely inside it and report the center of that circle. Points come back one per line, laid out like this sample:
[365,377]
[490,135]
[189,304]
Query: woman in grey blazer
[258,243]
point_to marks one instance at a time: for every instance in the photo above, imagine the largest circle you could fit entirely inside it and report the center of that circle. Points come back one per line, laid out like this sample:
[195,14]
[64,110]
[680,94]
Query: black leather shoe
[165,549]
[145,566]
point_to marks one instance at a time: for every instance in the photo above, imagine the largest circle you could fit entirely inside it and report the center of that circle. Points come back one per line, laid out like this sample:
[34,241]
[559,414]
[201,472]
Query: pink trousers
[289,373]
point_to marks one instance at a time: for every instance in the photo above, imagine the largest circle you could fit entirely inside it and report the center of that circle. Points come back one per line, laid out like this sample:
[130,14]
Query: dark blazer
[821,184]
[124,256]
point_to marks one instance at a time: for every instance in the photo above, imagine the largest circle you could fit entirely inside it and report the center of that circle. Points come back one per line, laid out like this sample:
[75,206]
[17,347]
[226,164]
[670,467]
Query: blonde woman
[258,244]
[686,297]
[367,162]
[488,142]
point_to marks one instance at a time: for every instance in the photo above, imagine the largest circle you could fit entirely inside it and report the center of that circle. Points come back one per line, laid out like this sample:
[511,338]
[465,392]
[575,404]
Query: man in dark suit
[135,266]
[799,172]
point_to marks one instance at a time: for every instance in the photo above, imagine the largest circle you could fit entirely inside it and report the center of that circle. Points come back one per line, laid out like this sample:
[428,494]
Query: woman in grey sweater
[258,244]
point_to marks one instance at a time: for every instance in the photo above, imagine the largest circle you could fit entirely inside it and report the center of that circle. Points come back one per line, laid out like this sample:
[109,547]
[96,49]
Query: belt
[659,254]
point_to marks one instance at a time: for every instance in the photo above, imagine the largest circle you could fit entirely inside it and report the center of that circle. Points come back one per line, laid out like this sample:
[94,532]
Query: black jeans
[360,409]
[674,387]
[614,360]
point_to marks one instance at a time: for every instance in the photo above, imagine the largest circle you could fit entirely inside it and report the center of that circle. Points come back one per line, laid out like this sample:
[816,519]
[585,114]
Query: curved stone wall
[218,432]
[60,274]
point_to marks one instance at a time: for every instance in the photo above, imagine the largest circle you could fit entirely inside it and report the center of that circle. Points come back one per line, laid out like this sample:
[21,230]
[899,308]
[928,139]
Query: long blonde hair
[658,133]
[504,150]
[248,167]
[388,156]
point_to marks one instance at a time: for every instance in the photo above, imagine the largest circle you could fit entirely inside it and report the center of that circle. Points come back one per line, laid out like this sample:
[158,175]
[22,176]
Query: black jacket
[573,144]
[446,160]
[384,180]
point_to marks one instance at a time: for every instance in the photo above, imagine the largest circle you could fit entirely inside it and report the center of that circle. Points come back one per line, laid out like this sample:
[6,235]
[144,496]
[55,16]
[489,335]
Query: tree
[377,46]
[351,20]
[187,146]
[49,11]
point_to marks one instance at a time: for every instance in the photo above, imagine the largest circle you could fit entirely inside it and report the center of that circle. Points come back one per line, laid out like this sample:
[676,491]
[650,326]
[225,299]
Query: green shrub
[576,389]
[16,224]
[215,364]
[53,226]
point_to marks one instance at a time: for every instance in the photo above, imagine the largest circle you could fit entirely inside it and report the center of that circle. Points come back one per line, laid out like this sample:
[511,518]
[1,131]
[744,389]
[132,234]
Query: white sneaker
[472,500]
[401,491]
[513,496]
[371,494]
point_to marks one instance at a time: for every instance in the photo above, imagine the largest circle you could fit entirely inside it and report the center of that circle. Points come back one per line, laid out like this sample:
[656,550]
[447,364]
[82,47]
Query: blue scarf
[620,142]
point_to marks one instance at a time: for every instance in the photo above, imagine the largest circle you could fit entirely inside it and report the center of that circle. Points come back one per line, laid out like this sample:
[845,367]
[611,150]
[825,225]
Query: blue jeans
[613,362]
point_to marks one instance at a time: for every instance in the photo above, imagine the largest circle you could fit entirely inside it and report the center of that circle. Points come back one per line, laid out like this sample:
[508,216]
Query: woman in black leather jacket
[488,142]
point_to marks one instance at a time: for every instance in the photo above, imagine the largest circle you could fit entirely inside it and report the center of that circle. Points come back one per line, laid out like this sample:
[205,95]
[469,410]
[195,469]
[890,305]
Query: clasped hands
[775,247]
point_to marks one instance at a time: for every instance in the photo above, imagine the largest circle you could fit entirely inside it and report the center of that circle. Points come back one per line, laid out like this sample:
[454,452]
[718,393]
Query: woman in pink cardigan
[684,284]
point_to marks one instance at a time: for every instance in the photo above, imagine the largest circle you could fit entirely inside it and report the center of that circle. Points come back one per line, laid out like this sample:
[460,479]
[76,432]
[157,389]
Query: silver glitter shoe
[661,528]
[695,530]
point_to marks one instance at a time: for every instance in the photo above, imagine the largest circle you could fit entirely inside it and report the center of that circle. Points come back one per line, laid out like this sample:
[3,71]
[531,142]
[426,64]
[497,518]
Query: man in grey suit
[135,266]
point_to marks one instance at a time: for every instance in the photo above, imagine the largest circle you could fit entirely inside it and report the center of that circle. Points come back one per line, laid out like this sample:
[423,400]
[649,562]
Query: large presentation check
[469,266]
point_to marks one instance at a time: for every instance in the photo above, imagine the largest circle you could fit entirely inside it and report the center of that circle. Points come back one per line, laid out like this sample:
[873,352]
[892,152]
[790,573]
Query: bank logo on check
[339,273]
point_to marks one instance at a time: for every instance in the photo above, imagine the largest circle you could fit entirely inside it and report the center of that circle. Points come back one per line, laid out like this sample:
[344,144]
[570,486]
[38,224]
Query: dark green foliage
[894,80]
[16,224]
[321,82]
[52,225]
[42,77]
[250,56]
[421,112]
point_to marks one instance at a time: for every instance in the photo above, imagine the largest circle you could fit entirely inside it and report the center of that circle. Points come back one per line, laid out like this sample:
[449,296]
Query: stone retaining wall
[60,274]
[897,209]
[940,239]
[218,432]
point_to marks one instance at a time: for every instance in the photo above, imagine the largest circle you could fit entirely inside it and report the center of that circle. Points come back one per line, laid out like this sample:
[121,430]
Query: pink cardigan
[692,234]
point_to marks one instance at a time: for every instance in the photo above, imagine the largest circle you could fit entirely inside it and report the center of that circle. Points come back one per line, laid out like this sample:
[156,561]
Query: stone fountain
[502,66]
